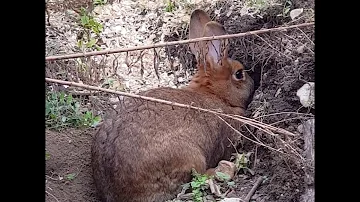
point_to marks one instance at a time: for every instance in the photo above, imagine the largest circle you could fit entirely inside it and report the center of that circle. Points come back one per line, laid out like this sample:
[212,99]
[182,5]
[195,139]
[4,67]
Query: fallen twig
[214,188]
[280,113]
[306,36]
[52,196]
[82,93]
[273,47]
[259,143]
[51,178]
[253,189]
[104,52]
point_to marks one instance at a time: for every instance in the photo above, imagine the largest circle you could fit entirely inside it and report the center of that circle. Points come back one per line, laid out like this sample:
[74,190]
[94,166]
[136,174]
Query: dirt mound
[68,173]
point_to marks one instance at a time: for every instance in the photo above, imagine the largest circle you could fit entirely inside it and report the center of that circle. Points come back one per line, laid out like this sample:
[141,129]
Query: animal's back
[149,148]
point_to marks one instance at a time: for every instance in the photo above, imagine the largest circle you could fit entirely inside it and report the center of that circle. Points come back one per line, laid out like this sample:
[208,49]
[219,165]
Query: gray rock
[306,95]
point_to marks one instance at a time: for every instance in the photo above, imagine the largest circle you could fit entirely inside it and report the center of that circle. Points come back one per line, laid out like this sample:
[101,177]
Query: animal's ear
[216,49]
[198,20]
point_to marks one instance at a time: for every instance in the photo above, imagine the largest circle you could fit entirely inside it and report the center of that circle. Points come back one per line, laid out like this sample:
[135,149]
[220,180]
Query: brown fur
[148,149]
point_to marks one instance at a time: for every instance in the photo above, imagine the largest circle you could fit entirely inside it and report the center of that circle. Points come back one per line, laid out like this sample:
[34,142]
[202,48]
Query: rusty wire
[152,46]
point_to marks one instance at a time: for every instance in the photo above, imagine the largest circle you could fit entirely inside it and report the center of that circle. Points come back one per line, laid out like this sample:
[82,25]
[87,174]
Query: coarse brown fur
[146,151]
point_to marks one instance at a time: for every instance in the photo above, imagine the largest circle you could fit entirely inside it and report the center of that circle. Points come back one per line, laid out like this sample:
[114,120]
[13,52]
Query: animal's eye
[239,74]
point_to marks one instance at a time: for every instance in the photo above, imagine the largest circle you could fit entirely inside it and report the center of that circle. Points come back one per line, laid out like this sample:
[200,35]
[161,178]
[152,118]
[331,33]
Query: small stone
[181,79]
[98,10]
[296,62]
[113,99]
[306,95]
[300,49]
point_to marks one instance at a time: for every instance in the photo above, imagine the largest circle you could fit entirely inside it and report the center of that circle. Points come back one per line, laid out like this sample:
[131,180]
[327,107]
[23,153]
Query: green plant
[198,185]
[241,162]
[99,2]
[70,176]
[230,184]
[63,110]
[170,6]
[91,27]
[88,22]
[223,176]
[47,156]
[225,180]
[286,9]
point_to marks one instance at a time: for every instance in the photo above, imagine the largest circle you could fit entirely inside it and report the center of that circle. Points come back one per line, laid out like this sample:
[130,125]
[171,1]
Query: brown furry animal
[146,151]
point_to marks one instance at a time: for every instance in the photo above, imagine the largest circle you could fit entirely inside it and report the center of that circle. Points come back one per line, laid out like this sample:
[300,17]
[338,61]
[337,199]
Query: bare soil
[69,152]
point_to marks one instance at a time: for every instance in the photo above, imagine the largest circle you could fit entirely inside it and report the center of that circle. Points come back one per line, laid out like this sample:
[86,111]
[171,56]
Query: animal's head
[217,73]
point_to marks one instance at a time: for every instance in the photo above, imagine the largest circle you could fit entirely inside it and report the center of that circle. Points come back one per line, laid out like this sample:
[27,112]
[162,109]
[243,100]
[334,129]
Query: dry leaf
[295,13]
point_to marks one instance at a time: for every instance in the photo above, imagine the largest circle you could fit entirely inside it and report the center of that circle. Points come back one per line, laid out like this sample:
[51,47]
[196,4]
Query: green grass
[63,111]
